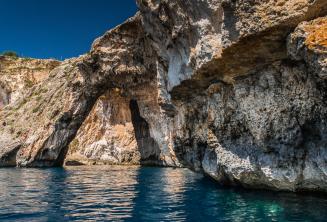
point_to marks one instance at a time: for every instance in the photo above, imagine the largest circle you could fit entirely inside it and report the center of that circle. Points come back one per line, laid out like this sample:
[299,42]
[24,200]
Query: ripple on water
[141,194]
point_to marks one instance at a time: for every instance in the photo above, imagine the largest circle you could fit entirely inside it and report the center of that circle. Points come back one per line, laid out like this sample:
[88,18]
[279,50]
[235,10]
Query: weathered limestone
[260,133]
[17,77]
[19,74]
[235,89]
[115,133]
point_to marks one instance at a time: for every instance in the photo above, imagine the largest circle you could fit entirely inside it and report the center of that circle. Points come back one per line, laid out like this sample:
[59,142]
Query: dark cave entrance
[147,146]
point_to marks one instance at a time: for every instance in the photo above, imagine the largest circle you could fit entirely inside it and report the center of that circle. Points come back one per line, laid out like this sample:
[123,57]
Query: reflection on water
[141,194]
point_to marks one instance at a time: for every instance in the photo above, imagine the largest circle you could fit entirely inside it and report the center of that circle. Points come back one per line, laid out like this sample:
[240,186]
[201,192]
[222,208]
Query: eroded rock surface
[19,74]
[235,89]
[17,77]
[266,130]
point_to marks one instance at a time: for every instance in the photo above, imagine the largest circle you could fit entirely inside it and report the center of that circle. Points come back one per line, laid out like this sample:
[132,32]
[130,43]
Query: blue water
[142,194]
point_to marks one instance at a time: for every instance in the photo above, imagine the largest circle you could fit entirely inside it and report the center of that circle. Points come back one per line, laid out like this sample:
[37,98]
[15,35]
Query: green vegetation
[36,109]
[29,83]
[39,98]
[27,58]
[10,54]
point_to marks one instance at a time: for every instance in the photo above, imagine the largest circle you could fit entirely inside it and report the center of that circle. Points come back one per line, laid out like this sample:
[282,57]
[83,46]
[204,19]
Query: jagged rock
[19,74]
[224,87]
[267,130]
[309,42]
[35,119]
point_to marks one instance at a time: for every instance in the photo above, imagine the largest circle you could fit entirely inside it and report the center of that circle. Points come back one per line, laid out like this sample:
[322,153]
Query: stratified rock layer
[17,77]
[235,89]
[19,74]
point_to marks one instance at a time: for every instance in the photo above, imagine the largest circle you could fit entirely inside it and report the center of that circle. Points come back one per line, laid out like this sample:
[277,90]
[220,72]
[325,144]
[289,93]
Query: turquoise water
[142,194]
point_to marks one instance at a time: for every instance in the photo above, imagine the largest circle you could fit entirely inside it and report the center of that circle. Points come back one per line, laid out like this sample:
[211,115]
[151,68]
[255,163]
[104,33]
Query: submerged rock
[235,89]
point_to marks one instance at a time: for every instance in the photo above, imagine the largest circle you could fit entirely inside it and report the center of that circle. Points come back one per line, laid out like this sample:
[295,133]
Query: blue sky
[58,28]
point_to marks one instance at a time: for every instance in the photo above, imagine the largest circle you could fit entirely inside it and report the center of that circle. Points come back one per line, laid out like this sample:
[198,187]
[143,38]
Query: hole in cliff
[147,146]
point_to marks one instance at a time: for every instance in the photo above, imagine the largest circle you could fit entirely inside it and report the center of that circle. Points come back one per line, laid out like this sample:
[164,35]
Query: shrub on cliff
[10,53]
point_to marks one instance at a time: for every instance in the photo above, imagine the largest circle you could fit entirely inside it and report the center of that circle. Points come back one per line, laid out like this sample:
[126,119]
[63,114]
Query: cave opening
[147,146]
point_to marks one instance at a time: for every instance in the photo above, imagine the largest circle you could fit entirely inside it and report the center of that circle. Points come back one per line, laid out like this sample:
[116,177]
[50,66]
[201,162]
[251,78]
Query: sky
[58,28]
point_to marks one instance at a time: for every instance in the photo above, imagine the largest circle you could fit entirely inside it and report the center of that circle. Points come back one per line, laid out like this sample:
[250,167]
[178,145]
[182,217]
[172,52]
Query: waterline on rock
[133,193]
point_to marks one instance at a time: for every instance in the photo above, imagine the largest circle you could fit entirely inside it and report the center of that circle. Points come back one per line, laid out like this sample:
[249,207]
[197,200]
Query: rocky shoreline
[235,89]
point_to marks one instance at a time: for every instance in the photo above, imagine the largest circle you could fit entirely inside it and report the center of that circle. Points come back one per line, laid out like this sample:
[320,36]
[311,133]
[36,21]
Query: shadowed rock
[235,89]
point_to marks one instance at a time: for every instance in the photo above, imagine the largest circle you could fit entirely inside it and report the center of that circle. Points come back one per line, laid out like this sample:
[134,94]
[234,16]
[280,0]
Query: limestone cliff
[19,74]
[235,89]
[18,77]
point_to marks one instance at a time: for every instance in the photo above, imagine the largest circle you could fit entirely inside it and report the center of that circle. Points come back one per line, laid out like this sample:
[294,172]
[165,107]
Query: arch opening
[147,146]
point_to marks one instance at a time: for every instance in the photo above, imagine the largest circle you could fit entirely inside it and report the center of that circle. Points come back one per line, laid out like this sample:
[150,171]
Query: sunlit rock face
[235,89]
[115,133]
[17,75]
[106,135]
[121,60]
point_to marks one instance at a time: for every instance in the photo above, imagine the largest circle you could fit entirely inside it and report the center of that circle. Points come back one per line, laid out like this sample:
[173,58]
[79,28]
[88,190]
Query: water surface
[118,193]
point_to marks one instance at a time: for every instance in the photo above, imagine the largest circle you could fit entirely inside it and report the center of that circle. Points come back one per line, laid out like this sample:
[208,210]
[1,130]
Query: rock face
[114,133]
[235,89]
[17,75]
